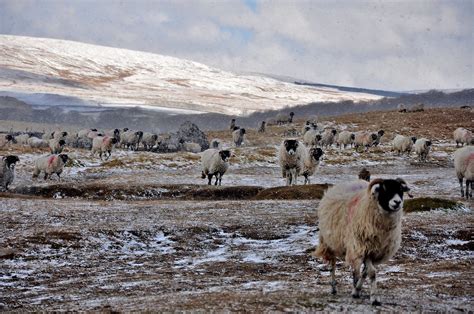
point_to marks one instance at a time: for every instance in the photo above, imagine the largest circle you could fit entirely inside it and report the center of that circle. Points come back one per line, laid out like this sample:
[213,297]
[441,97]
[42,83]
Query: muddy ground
[142,232]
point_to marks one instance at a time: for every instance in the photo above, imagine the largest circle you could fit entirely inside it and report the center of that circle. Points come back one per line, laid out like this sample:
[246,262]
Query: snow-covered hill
[120,77]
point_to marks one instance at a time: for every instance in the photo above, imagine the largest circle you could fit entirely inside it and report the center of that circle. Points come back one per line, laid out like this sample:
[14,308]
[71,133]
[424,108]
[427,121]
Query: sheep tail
[203,175]
[323,251]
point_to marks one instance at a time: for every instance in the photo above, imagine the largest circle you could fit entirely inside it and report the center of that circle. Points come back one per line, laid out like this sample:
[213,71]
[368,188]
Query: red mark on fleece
[51,160]
[470,158]
[351,208]
[106,138]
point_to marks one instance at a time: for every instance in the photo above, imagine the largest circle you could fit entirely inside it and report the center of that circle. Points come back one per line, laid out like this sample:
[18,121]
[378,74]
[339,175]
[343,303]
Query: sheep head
[316,153]
[388,194]
[225,154]
[64,158]
[10,161]
[291,146]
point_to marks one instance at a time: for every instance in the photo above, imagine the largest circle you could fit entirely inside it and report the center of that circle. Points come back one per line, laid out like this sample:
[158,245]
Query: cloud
[395,45]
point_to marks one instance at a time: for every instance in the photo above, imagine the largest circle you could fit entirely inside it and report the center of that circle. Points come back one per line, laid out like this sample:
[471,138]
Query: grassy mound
[427,203]
[311,191]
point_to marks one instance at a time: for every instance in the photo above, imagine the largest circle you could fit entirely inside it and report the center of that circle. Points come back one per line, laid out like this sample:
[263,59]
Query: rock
[189,132]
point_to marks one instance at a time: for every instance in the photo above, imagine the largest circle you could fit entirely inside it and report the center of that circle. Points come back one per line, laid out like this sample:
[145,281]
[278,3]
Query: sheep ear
[404,185]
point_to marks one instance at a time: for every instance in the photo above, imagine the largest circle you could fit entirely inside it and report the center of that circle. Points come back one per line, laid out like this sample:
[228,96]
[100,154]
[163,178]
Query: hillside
[117,77]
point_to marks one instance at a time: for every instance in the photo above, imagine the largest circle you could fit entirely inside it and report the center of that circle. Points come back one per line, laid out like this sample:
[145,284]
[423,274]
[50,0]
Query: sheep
[60,135]
[417,108]
[7,171]
[291,158]
[285,118]
[47,136]
[261,129]
[311,138]
[327,138]
[6,139]
[49,165]
[364,174]
[463,136]
[215,143]
[380,133]
[214,162]
[233,126]
[149,140]
[464,166]
[84,132]
[56,145]
[311,163]
[401,108]
[402,144]
[365,139]
[192,147]
[131,139]
[103,145]
[361,222]
[22,138]
[238,136]
[308,126]
[93,134]
[35,142]
[422,148]
[345,138]
[113,133]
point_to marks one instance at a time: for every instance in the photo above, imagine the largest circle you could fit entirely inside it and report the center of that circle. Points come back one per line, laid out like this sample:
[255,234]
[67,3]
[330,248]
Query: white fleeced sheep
[103,145]
[311,163]
[149,140]
[35,142]
[84,132]
[328,137]
[312,138]
[464,166]
[131,139]
[422,148]
[308,126]
[345,138]
[7,171]
[380,133]
[93,134]
[361,223]
[115,133]
[59,135]
[192,147]
[6,139]
[56,145]
[238,136]
[52,164]
[48,135]
[403,144]
[214,162]
[285,118]
[22,138]
[291,156]
[365,139]
[463,136]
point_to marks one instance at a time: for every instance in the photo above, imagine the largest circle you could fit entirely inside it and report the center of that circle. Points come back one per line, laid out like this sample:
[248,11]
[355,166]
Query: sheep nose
[397,203]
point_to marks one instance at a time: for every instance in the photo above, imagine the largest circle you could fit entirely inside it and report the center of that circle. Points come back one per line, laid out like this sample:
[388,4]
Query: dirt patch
[311,191]
[429,203]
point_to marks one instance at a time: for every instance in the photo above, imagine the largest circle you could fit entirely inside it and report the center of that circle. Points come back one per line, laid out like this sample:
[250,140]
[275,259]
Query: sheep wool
[402,144]
[463,136]
[7,171]
[52,164]
[311,163]
[103,145]
[345,138]
[311,138]
[56,145]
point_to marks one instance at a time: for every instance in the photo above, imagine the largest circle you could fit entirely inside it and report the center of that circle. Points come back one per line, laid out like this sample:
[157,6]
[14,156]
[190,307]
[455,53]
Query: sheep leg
[209,177]
[217,179]
[462,189]
[468,193]
[59,175]
[333,277]
[288,178]
[358,280]
[371,271]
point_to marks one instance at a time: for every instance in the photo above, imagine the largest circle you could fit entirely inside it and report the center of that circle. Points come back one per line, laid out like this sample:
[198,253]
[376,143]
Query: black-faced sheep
[365,139]
[285,118]
[361,223]
[232,125]
[464,165]
[311,163]
[238,136]
[403,144]
[49,165]
[312,138]
[103,145]
[214,162]
[463,136]
[261,129]
[380,133]
[7,171]
[215,143]
[345,138]
[291,158]
[327,138]
[56,145]
[131,139]
[422,148]
[149,140]
[308,126]
[35,142]
[6,139]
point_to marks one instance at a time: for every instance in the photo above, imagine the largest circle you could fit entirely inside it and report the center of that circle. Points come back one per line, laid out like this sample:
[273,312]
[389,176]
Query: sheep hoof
[376,303]
[356,295]
[333,291]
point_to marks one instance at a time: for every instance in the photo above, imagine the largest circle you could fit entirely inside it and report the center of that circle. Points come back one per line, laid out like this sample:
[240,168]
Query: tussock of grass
[427,203]
[113,163]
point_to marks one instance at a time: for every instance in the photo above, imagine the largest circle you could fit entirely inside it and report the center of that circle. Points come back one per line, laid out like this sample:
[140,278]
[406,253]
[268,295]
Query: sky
[393,45]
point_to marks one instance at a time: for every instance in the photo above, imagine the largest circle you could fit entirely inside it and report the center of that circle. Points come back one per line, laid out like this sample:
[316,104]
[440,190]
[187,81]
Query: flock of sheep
[359,221]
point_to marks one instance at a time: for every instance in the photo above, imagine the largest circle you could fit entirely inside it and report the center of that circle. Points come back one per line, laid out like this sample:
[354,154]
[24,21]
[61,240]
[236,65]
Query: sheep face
[116,132]
[291,146]
[318,137]
[225,155]
[413,139]
[428,143]
[333,132]
[381,132]
[235,128]
[64,134]
[64,158]
[373,136]
[242,131]
[389,194]
[113,140]
[9,138]
[11,161]
[125,129]
[62,142]
[316,153]
[353,136]
[94,130]
[139,134]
